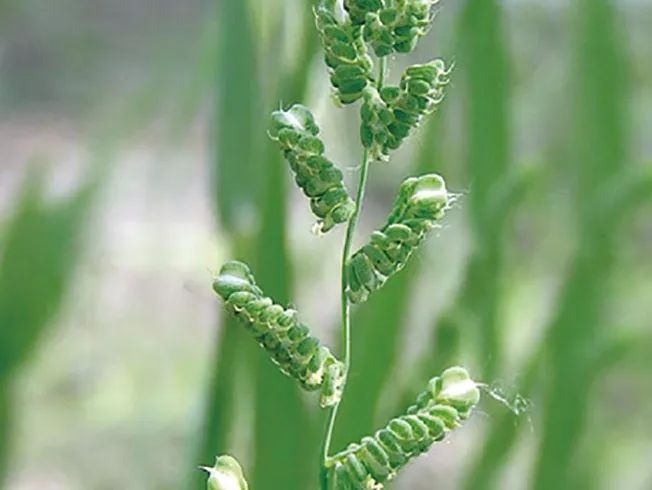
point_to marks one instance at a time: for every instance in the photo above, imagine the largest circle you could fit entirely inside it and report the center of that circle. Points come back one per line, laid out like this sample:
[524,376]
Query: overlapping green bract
[399,27]
[376,459]
[359,9]
[420,203]
[226,474]
[346,55]
[388,116]
[297,133]
[280,333]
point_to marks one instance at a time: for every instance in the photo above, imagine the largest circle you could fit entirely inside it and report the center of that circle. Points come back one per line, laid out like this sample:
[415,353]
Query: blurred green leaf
[444,350]
[502,436]
[41,247]
[573,336]
[483,66]
[239,118]
[201,82]
[578,329]
[221,392]
[483,61]
[5,429]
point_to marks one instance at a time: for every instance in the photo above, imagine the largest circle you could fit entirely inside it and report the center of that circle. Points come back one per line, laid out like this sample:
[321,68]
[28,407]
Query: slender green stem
[346,311]
[345,303]
[382,69]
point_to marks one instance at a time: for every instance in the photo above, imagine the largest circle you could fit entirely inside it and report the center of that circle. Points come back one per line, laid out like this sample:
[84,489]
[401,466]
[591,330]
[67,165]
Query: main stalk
[345,303]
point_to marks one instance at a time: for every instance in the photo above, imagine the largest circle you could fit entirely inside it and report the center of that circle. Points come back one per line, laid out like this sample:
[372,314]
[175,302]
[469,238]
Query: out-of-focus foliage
[262,195]
[239,117]
[40,247]
[578,334]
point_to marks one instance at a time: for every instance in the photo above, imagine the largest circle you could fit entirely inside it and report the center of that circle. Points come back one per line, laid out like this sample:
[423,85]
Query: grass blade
[598,145]
[41,247]
[240,131]
[484,62]
[5,430]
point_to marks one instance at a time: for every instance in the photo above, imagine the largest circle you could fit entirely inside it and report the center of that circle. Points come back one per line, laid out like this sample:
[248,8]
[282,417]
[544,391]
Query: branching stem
[345,303]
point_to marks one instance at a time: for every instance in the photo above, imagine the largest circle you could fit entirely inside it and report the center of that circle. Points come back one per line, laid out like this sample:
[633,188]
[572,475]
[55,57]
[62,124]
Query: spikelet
[398,28]
[297,134]
[420,203]
[390,115]
[346,56]
[280,333]
[376,459]
[358,10]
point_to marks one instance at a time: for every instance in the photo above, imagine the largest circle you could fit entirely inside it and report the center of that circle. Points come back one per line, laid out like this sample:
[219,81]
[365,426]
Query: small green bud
[429,196]
[234,276]
[456,387]
[390,94]
[394,29]
[388,16]
[226,475]
[346,72]
[298,118]
[358,9]
[352,86]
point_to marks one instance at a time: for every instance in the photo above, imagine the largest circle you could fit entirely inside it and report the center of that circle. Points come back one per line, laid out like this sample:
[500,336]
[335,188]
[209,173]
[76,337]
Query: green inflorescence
[297,134]
[350,30]
[345,53]
[359,9]
[279,332]
[398,28]
[374,460]
[420,203]
[389,115]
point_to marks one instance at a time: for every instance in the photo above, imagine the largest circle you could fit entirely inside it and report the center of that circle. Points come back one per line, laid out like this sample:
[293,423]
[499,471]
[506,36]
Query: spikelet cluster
[420,203]
[399,27]
[359,9]
[376,459]
[345,53]
[280,333]
[297,134]
[389,115]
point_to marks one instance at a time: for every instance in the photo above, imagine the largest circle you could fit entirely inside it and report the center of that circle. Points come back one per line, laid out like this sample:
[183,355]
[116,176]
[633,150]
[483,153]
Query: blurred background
[134,160]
